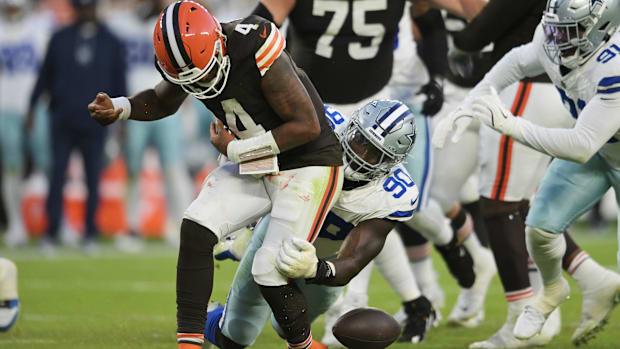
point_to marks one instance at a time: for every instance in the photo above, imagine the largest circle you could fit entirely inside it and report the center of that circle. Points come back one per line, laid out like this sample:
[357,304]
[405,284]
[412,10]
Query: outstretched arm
[297,257]
[149,105]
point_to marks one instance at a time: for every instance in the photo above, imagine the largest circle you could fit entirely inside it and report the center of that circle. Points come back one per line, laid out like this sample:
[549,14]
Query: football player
[23,39]
[135,29]
[281,157]
[377,193]
[9,301]
[575,45]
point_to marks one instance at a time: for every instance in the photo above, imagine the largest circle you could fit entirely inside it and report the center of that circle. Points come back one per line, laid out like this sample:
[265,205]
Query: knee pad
[264,268]
[542,243]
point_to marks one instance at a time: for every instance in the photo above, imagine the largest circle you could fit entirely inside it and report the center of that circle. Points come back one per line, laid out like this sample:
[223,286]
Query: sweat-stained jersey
[253,44]
[345,46]
[392,197]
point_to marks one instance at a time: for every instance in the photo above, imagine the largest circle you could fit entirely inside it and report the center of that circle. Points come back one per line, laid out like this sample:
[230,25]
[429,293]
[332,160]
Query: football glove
[433,91]
[458,121]
[461,63]
[297,259]
[490,110]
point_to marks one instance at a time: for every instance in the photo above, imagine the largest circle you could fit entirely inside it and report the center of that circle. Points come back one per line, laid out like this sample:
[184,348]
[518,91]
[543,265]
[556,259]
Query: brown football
[366,328]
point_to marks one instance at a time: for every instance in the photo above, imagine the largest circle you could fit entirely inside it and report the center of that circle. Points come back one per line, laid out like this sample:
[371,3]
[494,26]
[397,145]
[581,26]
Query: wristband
[252,148]
[324,271]
[122,102]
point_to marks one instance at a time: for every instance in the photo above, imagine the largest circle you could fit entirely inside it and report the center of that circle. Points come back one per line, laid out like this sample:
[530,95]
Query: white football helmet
[574,29]
[378,136]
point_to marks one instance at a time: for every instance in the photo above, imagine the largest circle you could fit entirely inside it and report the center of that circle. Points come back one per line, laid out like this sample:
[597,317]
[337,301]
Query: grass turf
[117,300]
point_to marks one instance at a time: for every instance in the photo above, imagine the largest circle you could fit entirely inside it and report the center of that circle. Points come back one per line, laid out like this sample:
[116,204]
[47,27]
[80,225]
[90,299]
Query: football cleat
[533,317]
[233,247]
[459,261]
[596,307]
[420,318]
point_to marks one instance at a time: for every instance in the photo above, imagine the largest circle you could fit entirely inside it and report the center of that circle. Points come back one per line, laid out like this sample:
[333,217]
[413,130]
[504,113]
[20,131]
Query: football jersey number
[341,9]
[398,183]
[237,116]
[608,54]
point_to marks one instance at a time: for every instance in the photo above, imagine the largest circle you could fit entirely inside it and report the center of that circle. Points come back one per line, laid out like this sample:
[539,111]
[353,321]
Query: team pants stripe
[325,203]
[505,146]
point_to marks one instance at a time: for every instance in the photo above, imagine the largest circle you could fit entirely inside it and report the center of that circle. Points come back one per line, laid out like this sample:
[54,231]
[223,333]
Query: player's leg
[9,301]
[167,137]
[12,165]
[215,213]
[301,199]
[566,192]
[246,312]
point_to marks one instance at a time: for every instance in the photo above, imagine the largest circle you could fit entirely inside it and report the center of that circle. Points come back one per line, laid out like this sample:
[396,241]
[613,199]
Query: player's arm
[596,125]
[274,10]
[433,50]
[290,100]
[297,257]
[467,9]
[491,23]
[149,105]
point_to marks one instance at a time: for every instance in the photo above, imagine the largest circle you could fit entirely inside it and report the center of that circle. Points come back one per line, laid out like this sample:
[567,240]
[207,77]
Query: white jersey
[22,50]
[392,197]
[137,35]
[591,93]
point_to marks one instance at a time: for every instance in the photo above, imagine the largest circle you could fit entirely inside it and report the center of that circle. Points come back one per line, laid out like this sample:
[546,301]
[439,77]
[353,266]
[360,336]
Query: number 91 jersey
[345,46]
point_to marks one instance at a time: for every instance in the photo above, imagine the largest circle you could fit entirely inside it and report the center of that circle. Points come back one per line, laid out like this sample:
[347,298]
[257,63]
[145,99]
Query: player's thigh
[301,199]
[246,311]
[167,138]
[567,191]
[228,201]
[452,166]
[11,131]
[419,160]
[136,141]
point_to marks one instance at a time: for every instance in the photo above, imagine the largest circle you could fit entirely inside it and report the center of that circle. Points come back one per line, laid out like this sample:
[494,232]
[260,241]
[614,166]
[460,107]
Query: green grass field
[128,301]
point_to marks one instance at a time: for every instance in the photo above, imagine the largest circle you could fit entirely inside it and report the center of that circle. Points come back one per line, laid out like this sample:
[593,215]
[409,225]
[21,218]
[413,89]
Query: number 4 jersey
[253,44]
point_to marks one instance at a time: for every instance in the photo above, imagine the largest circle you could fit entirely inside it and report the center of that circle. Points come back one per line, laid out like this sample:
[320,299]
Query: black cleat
[459,262]
[420,318]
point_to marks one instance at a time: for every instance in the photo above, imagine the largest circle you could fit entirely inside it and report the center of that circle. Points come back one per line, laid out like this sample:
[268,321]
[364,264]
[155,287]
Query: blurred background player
[135,28]
[81,58]
[23,39]
[9,300]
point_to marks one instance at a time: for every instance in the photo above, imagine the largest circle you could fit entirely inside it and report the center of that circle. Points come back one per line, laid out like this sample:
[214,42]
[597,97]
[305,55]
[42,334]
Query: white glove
[490,110]
[457,120]
[297,259]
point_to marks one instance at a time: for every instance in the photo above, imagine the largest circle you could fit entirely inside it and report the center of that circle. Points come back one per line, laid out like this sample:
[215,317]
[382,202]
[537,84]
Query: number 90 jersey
[392,197]
[345,46]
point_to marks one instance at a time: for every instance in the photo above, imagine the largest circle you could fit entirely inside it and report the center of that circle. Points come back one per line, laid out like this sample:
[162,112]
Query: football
[366,328]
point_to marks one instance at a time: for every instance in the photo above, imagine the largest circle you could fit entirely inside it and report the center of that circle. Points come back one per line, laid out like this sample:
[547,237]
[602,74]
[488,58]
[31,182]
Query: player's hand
[458,121]
[461,63]
[102,110]
[434,97]
[220,137]
[297,259]
[490,110]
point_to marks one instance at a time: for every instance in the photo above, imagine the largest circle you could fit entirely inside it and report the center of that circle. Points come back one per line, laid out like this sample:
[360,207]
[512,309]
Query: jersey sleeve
[270,44]
[405,207]
[609,87]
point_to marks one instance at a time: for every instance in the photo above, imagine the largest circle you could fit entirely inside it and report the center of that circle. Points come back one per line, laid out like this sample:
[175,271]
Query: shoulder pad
[261,38]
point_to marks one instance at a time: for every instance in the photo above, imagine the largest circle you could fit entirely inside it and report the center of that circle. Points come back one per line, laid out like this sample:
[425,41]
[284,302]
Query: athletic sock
[588,273]
[190,340]
[393,264]
[306,344]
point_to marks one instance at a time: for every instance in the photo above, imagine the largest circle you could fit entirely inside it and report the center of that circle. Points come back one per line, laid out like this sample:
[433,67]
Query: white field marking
[102,285]
[64,317]
[27,341]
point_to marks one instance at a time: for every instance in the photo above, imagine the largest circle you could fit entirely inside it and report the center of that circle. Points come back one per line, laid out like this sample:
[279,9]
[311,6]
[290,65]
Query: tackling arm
[362,244]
